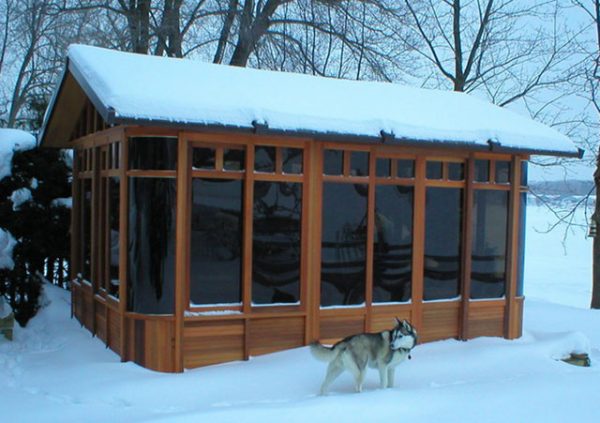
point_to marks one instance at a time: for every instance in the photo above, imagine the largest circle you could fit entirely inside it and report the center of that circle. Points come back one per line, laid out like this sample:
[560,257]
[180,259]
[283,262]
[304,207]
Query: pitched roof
[129,88]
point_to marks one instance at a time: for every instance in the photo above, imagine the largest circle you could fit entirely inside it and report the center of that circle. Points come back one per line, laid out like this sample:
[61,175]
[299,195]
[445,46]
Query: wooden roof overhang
[73,90]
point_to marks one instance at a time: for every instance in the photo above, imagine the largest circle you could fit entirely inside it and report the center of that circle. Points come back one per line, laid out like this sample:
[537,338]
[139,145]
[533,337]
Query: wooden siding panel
[336,327]
[385,319]
[100,313]
[440,321]
[114,330]
[212,342]
[275,334]
[486,319]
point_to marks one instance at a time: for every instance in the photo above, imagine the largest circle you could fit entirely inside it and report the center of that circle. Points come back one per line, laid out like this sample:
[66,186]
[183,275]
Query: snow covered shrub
[38,223]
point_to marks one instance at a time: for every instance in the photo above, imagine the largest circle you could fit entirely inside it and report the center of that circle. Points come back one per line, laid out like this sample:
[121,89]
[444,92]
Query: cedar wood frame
[171,343]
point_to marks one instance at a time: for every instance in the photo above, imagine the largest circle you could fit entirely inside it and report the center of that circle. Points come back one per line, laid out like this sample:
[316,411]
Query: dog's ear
[406,325]
[398,322]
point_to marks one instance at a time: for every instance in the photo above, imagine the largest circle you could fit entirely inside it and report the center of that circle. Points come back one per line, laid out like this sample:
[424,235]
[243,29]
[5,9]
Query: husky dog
[382,351]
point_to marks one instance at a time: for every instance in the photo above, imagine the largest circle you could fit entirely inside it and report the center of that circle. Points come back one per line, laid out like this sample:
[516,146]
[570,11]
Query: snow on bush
[20,196]
[12,140]
[7,243]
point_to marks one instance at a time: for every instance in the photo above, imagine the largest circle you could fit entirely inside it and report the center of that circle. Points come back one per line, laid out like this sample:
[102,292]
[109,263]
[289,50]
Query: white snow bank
[7,243]
[12,140]
[191,92]
[19,197]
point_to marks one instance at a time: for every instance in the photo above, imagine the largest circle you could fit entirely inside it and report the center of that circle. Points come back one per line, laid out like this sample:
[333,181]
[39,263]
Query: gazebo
[223,212]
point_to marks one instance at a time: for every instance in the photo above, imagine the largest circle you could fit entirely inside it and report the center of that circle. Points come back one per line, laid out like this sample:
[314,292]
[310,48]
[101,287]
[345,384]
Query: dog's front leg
[383,377]
[391,373]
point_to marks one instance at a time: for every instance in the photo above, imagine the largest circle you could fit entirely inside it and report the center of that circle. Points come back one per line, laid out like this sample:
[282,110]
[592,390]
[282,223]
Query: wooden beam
[123,241]
[418,258]
[467,249]
[181,248]
[513,252]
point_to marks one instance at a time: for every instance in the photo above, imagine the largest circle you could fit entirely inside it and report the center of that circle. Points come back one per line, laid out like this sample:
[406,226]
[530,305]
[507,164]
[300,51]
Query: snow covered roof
[129,88]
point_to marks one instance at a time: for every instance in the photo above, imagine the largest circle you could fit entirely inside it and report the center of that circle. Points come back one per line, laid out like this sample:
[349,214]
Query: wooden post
[247,215]
[418,259]
[511,314]
[181,247]
[369,241]
[466,249]
[123,240]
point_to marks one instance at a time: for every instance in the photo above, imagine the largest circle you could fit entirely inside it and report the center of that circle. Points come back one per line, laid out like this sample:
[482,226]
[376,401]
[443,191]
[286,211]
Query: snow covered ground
[55,371]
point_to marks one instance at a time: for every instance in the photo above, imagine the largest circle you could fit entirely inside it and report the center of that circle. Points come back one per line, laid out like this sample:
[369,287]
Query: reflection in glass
[203,158]
[434,170]
[86,229]
[524,168]
[490,225]
[343,243]
[383,168]
[113,235]
[482,171]
[406,168]
[264,159]
[292,160]
[234,159]
[216,241]
[443,217]
[392,244]
[359,163]
[333,162]
[456,171]
[276,242]
[153,153]
[151,245]
[502,172]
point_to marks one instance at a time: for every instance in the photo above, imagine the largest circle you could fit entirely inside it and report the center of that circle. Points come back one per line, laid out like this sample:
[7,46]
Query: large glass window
[113,235]
[216,239]
[343,242]
[276,242]
[86,229]
[151,245]
[153,153]
[392,243]
[443,228]
[490,220]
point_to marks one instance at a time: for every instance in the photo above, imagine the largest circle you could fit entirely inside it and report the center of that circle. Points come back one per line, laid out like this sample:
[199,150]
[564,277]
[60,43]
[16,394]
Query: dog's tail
[323,353]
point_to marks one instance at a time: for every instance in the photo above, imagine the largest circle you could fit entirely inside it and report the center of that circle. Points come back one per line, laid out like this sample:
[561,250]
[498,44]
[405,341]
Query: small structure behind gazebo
[222,212]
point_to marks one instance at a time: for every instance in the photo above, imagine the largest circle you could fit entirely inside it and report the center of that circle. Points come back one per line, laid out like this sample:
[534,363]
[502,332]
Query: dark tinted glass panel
[359,163]
[406,168]
[264,159]
[443,217]
[333,162]
[86,228]
[456,171]
[392,244]
[482,171]
[490,220]
[151,245]
[521,252]
[292,160]
[524,167]
[276,242]
[101,276]
[113,236]
[502,172]
[203,158]
[434,170]
[234,159]
[153,153]
[383,168]
[343,243]
[216,241]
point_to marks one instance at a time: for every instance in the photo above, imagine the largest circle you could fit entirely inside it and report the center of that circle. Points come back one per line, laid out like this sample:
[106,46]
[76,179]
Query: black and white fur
[382,351]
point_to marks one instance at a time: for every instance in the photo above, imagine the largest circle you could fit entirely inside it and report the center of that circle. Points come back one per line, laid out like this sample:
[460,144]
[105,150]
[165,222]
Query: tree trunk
[596,248]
